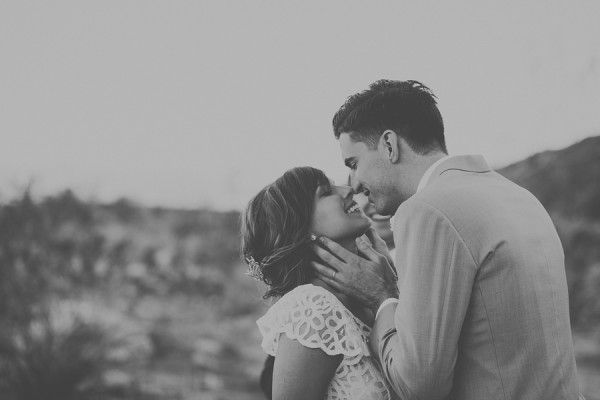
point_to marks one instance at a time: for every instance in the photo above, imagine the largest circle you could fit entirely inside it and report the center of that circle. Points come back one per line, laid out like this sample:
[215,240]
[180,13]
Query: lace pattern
[317,319]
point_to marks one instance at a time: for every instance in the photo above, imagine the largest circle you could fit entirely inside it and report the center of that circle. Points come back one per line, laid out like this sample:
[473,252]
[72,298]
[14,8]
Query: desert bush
[42,363]
[581,242]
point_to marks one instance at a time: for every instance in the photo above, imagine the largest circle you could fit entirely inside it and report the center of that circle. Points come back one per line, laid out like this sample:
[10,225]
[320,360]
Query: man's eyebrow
[348,161]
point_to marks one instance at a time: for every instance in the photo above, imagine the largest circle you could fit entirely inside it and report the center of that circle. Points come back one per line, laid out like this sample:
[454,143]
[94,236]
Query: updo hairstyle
[275,230]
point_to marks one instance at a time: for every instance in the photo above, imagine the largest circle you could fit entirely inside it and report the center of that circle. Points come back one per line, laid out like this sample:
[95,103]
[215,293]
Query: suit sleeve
[417,343]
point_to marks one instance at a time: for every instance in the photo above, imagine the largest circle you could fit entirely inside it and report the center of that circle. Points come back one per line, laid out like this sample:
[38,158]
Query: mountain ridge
[566,181]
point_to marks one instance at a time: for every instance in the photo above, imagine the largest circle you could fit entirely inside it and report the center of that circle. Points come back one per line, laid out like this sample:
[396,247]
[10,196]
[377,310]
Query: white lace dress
[317,319]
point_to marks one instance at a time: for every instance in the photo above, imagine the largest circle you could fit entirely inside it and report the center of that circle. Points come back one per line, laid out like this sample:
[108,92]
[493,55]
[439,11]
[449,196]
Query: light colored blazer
[483,310]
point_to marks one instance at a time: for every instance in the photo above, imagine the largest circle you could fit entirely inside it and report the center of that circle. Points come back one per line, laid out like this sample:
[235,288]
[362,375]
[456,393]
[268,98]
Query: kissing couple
[472,306]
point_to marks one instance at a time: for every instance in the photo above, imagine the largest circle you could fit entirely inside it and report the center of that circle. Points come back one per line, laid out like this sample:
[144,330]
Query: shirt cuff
[391,300]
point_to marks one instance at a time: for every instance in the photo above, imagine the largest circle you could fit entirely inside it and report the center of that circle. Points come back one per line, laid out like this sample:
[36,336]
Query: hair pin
[313,237]
[254,270]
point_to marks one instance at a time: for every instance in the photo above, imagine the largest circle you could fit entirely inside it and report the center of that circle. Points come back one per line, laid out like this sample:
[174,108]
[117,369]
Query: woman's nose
[353,183]
[345,192]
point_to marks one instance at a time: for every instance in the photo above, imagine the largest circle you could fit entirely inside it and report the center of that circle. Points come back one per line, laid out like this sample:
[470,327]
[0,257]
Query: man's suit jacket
[483,311]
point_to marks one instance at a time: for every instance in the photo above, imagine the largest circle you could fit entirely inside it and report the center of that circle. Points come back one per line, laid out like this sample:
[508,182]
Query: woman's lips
[355,207]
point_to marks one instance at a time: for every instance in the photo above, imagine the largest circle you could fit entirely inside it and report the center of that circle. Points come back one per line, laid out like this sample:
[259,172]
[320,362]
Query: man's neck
[427,161]
[422,164]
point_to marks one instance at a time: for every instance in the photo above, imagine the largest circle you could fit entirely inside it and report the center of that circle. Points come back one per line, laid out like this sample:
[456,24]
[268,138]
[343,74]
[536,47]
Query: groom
[480,309]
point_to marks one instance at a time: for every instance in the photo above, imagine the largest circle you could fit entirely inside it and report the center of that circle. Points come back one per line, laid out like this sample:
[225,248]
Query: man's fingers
[366,239]
[366,250]
[379,244]
[336,249]
[327,257]
[372,234]
[322,270]
[374,238]
[328,275]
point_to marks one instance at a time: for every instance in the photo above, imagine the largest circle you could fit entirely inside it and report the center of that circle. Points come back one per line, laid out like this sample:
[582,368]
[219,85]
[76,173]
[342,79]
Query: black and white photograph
[341,200]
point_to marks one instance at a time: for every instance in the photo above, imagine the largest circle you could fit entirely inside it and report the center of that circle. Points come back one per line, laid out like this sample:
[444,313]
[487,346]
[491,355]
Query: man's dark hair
[409,108]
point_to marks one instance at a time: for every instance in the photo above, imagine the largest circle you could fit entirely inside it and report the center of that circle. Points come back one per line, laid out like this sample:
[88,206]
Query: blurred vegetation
[109,301]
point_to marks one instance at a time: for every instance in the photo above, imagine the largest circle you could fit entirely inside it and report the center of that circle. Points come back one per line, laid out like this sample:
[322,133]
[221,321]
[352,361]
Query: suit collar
[427,174]
[467,163]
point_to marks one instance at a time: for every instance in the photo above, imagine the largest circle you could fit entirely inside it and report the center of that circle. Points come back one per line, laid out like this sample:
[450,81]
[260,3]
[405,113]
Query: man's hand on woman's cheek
[369,280]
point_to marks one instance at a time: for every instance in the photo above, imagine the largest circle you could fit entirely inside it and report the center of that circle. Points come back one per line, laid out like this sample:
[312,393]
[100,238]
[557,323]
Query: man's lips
[378,217]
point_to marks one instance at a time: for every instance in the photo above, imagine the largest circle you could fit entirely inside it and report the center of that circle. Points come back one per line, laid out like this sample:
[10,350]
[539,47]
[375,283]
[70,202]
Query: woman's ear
[389,144]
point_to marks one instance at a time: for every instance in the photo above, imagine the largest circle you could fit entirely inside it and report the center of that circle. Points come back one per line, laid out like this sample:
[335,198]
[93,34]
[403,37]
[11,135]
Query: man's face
[372,173]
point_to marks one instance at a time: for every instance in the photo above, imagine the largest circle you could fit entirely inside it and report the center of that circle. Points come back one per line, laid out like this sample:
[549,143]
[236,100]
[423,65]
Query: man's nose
[354,184]
[356,187]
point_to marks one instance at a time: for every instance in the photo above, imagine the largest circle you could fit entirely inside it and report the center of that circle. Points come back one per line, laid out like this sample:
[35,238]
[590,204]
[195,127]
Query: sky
[200,104]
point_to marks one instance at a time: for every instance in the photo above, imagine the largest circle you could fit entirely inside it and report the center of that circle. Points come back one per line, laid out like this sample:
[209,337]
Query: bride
[317,335]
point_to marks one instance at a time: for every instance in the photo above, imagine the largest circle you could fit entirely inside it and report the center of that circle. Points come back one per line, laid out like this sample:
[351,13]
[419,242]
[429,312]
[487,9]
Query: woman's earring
[313,237]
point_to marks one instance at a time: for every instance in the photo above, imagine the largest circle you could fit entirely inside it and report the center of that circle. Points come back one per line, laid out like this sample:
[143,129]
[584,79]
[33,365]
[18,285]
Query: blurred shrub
[581,242]
[60,247]
[41,363]
[60,244]
[124,210]
[24,280]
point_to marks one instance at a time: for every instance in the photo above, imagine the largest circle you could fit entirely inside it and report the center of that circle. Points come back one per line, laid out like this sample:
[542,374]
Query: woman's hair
[275,230]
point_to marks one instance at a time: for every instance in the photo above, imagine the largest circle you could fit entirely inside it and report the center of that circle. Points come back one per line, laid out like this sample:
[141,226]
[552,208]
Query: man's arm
[417,343]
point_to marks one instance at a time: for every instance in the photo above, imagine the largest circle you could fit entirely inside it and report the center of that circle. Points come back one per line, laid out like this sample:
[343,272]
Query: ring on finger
[333,275]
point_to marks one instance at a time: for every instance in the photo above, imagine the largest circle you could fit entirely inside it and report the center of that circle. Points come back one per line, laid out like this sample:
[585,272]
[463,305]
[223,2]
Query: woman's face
[336,215]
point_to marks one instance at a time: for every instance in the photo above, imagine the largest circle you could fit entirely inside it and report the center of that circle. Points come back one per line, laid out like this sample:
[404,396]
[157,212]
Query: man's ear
[390,145]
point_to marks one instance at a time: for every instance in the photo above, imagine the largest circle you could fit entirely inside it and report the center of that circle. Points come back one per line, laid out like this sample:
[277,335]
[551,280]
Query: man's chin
[385,210]
[382,212]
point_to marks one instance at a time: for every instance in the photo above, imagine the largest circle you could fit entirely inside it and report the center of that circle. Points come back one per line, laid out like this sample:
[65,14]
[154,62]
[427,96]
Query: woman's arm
[301,372]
